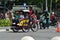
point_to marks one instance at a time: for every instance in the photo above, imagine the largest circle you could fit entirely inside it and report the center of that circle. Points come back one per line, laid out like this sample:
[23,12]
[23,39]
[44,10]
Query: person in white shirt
[21,15]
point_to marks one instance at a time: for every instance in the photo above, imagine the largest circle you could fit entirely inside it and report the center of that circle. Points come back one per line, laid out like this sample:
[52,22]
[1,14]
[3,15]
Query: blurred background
[38,6]
[53,5]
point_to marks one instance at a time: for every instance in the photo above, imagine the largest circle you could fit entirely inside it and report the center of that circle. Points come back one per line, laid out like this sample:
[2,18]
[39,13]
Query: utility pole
[4,6]
[46,6]
[51,6]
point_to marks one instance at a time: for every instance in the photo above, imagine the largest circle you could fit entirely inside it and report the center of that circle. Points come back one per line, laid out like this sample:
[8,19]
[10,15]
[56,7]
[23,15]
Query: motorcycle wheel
[40,25]
[25,29]
[34,27]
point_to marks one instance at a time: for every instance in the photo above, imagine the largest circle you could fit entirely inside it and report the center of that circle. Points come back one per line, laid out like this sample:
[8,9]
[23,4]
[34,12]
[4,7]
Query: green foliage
[57,1]
[5,22]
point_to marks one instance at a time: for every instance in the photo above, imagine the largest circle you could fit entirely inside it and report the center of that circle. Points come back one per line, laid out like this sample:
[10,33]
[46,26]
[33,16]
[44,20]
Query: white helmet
[52,12]
[13,17]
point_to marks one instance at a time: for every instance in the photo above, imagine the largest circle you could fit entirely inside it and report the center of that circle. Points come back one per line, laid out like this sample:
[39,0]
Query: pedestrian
[1,15]
[6,15]
[9,15]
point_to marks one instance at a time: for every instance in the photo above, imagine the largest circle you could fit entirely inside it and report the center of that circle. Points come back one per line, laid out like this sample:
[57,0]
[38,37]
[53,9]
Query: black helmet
[45,11]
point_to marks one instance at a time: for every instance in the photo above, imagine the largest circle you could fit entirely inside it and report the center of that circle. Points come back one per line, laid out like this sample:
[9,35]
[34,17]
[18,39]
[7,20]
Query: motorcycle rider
[46,14]
[33,16]
[31,11]
[42,18]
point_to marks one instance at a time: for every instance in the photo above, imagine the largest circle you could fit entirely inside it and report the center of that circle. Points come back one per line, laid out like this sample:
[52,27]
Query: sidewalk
[4,27]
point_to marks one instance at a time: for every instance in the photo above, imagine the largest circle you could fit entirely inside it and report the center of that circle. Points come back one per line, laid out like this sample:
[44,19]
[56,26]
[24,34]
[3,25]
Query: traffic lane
[45,34]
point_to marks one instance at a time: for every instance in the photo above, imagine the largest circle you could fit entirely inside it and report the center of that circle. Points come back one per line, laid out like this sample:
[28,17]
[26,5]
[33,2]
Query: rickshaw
[25,24]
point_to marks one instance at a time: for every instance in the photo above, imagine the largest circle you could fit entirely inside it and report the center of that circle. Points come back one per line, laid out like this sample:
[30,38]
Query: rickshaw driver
[31,11]
[33,16]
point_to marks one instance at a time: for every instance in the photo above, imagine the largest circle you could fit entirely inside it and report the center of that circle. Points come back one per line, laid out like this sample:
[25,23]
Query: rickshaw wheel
[15,30]
[25,29]
[34,27]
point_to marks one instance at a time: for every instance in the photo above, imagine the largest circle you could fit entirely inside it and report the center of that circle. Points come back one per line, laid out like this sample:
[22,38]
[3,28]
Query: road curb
[4,30]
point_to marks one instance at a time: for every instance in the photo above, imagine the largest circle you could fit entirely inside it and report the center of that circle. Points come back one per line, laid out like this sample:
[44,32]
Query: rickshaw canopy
[26,11]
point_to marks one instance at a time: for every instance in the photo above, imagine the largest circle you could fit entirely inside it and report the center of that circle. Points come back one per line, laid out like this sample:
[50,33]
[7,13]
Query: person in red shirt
[31,11]
[53,19]
[33,16]
[52,16]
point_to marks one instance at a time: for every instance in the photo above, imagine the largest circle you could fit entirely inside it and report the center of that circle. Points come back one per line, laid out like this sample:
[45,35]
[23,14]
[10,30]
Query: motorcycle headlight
[14,23]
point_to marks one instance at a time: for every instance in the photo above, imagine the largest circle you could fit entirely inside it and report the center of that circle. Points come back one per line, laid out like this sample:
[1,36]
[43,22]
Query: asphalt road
[44,34]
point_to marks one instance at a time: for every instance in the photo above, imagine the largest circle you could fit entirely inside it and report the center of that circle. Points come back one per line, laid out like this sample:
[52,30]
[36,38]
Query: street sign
[24,5]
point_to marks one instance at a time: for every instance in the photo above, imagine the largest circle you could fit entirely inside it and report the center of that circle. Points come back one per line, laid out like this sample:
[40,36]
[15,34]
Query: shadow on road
[16,32]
